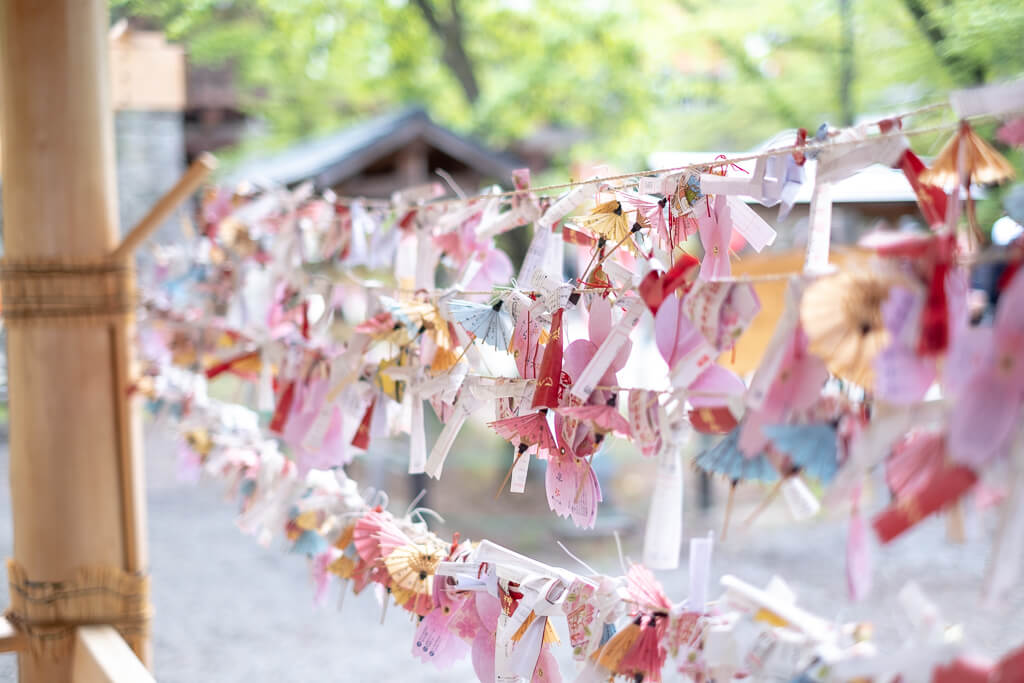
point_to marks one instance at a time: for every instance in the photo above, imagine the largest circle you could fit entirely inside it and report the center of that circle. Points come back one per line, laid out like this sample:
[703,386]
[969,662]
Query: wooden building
[380,156]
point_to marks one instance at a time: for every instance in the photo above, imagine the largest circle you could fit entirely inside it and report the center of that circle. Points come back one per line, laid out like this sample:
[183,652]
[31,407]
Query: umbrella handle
[764,503]
[508,475]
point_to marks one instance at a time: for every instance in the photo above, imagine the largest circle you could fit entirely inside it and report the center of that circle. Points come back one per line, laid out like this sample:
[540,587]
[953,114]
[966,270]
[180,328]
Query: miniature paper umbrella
[608,220]
[811,447]
[532,430]
[727,459]
[412,568]
[842,316]
[487,322]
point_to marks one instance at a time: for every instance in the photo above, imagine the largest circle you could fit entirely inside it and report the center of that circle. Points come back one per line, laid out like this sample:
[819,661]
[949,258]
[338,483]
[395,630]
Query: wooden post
[76,479]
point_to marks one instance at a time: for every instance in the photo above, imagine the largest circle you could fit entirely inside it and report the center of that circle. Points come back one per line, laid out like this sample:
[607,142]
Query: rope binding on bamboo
[80,292]
[48,612]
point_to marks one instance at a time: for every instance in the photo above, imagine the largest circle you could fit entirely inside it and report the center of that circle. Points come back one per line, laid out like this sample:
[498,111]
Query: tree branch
[430,17]
[936,36]
[742,60]
[453,52]
[745,64]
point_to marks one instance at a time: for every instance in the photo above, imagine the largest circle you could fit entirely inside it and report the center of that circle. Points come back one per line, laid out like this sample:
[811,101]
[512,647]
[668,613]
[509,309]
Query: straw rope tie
[56,290]
[47,612]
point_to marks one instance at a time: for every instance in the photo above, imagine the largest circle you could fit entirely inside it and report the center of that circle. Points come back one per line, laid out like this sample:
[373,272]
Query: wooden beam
[11,640]
[102,656]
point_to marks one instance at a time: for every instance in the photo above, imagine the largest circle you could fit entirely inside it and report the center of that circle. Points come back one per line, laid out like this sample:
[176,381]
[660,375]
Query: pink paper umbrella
[988,408]
[651,209]
[602,418]
[531,430]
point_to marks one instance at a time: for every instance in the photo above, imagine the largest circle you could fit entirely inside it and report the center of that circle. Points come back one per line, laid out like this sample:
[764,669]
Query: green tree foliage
[632,77]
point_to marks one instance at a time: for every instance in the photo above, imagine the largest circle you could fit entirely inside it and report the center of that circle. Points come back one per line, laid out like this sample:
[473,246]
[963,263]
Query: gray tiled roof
[333,158]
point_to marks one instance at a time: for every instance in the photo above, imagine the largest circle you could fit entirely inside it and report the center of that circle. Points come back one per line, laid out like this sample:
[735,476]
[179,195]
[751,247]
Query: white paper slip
[801,502]
[426,262]
[998,98]
[843,160]
[439,453]
[752,227]
[700,573]
[566,203]
[520,469]
[819,231]
[417,438]
[534,258]
[663,535]
[520,215]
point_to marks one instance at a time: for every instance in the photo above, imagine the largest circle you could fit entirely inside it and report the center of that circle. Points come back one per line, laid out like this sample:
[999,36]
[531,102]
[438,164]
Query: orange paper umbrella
[842,316]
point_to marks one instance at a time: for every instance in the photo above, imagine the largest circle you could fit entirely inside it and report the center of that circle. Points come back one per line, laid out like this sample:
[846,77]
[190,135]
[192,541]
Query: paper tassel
[983,165]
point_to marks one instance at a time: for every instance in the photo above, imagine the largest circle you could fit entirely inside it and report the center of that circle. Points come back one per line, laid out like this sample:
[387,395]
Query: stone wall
[150,159]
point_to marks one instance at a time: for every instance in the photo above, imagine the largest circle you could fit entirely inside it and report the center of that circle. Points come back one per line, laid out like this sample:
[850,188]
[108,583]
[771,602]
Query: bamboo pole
[188,183]
[76,479]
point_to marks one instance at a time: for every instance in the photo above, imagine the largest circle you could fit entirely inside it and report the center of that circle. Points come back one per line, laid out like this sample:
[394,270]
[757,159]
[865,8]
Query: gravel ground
[230,610]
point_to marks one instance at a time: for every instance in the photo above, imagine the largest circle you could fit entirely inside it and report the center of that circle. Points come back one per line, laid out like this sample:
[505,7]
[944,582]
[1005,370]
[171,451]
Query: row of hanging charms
[327,399]
[489,602]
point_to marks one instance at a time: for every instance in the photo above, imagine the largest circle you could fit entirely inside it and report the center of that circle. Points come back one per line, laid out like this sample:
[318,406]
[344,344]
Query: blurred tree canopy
[663,74]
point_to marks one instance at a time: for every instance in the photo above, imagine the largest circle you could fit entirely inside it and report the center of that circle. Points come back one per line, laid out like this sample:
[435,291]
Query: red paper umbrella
[603,418]
[532,430]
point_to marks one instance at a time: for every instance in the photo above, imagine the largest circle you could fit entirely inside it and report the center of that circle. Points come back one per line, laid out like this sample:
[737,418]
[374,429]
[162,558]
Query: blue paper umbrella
[487,322]
[811,447]
[727,459]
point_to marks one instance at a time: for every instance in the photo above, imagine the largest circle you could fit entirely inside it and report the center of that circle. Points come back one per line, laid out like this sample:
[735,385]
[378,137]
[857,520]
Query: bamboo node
[48,612]
[45,290]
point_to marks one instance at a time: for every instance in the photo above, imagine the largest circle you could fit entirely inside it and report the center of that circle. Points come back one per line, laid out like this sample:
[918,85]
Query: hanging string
[811,146]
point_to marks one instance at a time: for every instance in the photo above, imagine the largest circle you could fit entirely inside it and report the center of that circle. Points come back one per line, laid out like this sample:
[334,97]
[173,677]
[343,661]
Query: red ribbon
[931,200]
[656,286]
[283,408]
[224,366]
